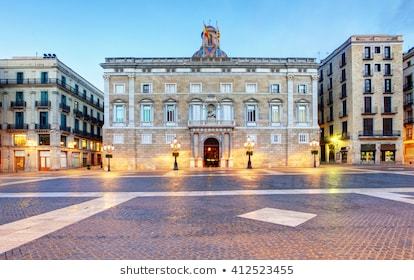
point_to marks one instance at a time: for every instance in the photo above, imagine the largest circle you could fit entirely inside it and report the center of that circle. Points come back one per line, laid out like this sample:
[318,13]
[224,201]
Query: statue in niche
[211,112]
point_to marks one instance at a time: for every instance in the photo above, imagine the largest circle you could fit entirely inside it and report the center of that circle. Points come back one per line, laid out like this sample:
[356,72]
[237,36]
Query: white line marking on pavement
[20,232]
[279,216]
[390,196]
[34,180]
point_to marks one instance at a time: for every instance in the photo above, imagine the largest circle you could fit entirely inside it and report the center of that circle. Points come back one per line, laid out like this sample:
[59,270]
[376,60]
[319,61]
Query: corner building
[361,101]
[211,103]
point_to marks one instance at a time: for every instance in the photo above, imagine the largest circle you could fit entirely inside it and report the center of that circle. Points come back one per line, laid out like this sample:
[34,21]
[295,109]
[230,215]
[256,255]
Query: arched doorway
[211,153]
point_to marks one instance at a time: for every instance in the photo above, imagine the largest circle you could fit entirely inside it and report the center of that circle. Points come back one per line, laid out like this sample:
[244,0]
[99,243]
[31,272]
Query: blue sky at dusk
[83,33]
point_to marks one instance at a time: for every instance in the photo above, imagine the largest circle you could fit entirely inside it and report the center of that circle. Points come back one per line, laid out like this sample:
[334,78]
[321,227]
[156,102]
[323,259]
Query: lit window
[251,88]
[169,138]
[195,88]
[44,139]
[118,139]
[276,139]
[119,88]
[146,139]
[20,139]
[303,138]
[84,144]
[170,88]
[274,88]
[226,88]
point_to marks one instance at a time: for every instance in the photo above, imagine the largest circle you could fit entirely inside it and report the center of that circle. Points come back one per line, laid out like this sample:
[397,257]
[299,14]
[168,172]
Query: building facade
[51,117]
[361,101]
[408,65]
[211,104]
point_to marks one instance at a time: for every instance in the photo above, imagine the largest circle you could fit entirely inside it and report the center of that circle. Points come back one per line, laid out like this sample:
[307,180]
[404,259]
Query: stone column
[31,110]
[230,159]
[131,100]
[106,100]
[290,100]
[315,101]
[54,110]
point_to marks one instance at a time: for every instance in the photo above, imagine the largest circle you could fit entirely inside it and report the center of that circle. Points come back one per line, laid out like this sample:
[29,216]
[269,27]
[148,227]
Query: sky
[83,33]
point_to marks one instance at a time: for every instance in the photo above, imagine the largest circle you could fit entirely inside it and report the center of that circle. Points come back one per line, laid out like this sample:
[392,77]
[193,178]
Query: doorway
[211,153]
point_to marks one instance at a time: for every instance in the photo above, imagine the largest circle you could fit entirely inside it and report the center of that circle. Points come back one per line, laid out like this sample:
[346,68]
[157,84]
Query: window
[63,99]
[195,88]
[344,128]
[343,59]
[146,139]
[84,144]
[19,77]
[343,75]
[274,88]
[343,91]
[330,113]
[44,97]
[387,126]
[276,138]
[302,88]
[146,88]
[378,67]
[226,88]
[63,141]
[331,130]
[119,88]
[76,105]
[84,93]
[251,88]
[387,69]
[367,86]
[170,88]
[76,125]
[169,138]
[367,52]
[368,126]
[387,52]
[196,112]
[367,70]
[44,77]
[63,81]
[275,114]
[330,83]
[302,113]
[118,139]
[43,120]
[19,97]
[19,139]
[387,104]
[344,111]
[170,113]
[119,113]
[251,115]
[227,112]
[377,49]
[387,85]
[85,110]
[146,114]
[44,139]
[330,69]
[303,138]
[367,104]
[76,88]
[63,120]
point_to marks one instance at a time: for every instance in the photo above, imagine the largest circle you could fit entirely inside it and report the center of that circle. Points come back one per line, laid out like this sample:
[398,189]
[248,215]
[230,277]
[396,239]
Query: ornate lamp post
[175,146]
[249,145]
[314,150]
[108,149]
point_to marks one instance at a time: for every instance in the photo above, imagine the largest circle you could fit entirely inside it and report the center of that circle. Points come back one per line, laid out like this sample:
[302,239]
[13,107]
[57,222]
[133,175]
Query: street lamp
[249,145]
[108,149]
[314,150]
[175,146]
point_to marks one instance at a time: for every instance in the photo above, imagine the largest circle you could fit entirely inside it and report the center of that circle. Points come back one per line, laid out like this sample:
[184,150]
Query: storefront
[19,160]
[44,160]
[344,154]
[368,153]
[75,159]
[63,159]
[388,152]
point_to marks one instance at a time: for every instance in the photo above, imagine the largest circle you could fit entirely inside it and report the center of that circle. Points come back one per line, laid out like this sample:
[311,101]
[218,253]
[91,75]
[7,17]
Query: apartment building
[408,65]
[211,104]
[51,118]
[361,101]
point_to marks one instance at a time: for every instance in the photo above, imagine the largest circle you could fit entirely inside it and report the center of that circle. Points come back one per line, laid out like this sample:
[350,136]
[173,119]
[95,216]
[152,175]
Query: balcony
[17,127]
[86,117]
[94,120]
[379,134]
[65,108]
[77,113]
[59,83]
[42,126]
[389,111]
[43,104]
[211,123]
[408,101]
[368,111]
[409,120]
[65,129]
[18,104]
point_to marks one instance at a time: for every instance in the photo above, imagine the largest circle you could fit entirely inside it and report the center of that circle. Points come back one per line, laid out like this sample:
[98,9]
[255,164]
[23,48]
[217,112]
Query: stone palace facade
[211,104]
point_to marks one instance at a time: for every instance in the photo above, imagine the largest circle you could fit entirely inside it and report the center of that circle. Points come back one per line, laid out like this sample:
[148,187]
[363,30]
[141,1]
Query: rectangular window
[276,138]
[227,112]
[331,130]
[170,88]
[377,49]
[387,85]
[330,69]
[76,88]
[367,104]
[119,113]
[169,138]
[303,138]
[196,112]
[343,75]
[44,97]
[43,120]
[367,86]
[19,77]
[387,69]
[302,113]
[63,100]
[44,139]
[146,113]
[251,88]
[344,128]
[19,139]
[275,114]
[387,126]
[146,139]
[343,90]
[76,105]
[343,59]
[44,77]
[368,126]
[119,88]
[146,88]
[118,139]
[63,120]
[19,97]
[330,83]
[378,67]
[63,141]
[63,81]
[226,88]
[387,104]
[274,88]
[251,114]
[367,52]
[170,113]
[302,88]
[195,88]
[367,70]
[387,52]
[344,111]
[76,125]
